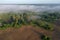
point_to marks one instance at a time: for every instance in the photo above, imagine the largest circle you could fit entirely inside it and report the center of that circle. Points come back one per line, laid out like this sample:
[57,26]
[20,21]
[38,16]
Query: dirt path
[23,33]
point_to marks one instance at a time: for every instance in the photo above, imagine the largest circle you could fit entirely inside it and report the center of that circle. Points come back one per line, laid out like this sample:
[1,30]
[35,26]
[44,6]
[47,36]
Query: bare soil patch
[23,33]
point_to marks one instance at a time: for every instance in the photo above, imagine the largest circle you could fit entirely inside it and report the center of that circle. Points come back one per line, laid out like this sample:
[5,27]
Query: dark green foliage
[50,17]
[43,24]
[43,37]
[47,26]
[15,19]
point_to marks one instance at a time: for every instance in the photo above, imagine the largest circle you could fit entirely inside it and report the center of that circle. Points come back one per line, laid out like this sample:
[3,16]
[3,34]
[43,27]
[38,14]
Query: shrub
[44,37]
[45,25]
[50,17]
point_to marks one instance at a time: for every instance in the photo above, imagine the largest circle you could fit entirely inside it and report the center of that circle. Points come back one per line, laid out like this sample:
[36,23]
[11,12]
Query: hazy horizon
[35,8]
[29,1]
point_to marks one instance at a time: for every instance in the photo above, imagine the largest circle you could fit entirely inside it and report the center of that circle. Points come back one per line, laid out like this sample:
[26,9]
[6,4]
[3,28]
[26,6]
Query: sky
[29,1]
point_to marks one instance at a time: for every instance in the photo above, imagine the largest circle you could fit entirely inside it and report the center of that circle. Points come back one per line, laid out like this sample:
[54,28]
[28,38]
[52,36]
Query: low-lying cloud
[16,8]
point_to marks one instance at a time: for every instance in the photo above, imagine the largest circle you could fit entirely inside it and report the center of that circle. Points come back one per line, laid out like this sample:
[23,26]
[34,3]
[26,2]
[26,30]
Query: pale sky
[28,1]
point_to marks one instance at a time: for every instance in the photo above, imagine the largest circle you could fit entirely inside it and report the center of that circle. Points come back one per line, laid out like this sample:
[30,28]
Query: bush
[45,25]
[44,37]
[14,20]
[50,17]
